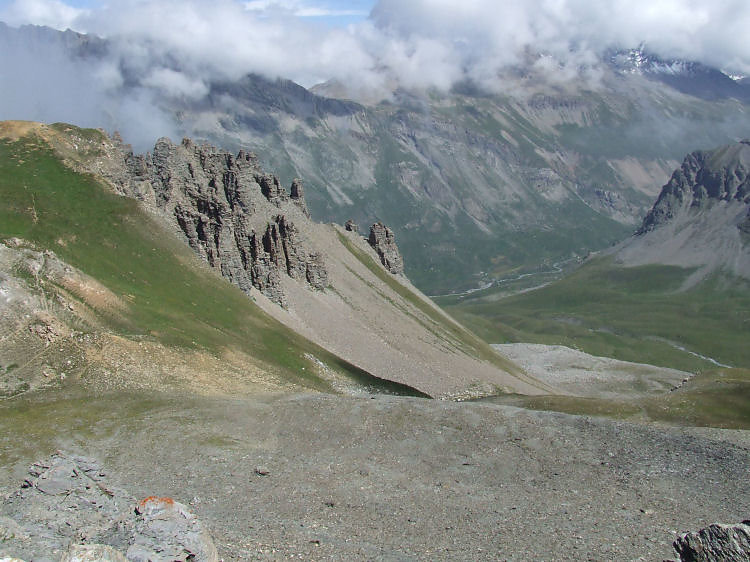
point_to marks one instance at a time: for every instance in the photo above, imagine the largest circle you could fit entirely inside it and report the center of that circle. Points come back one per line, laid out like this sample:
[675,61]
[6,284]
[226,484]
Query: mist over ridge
[177,48]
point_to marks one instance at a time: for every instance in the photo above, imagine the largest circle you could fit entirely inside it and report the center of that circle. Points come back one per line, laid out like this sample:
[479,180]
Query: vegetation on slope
[714,398]
[633,314]
[170,298]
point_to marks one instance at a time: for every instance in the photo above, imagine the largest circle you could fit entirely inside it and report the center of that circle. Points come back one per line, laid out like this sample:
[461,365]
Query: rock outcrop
[714,543]
[700,219]
[704,177]
[232,214]
[66,510]
[384,242]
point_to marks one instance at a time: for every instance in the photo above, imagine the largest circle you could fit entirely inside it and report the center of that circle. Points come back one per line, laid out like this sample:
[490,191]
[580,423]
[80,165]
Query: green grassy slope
[169,298]
[633,314]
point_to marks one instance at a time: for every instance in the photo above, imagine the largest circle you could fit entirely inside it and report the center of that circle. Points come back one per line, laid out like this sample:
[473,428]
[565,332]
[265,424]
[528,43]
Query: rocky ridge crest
[704,177]
[237,218]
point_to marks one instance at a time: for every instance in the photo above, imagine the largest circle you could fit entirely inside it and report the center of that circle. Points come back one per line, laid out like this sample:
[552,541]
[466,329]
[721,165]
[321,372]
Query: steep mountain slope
[96,291]
[476,186]
[701,218]
[674,294]
[334,288]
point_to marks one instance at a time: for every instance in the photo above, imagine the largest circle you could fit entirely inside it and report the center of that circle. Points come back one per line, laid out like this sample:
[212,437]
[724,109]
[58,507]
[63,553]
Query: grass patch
[717,398]
[632,314]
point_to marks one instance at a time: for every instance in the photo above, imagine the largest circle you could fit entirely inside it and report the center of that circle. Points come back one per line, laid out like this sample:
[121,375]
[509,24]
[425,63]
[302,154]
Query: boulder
[715,543]
[166,531]
[65,509]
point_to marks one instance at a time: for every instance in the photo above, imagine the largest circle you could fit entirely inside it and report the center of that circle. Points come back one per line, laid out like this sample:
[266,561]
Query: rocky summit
[705,178]
[701,218]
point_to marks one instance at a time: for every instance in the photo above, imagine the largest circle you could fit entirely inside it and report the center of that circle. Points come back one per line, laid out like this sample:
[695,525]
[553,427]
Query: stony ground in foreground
[396,478]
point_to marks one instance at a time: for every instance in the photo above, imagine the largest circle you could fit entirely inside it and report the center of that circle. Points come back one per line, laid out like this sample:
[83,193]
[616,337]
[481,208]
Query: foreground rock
[715,543]
[66,511]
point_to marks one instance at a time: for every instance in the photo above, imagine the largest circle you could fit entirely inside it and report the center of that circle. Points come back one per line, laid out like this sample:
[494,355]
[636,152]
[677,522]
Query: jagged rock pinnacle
[384,242]
[233,215]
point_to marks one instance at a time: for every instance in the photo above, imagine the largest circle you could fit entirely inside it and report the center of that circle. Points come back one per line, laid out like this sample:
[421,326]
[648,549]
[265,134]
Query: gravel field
[396,478]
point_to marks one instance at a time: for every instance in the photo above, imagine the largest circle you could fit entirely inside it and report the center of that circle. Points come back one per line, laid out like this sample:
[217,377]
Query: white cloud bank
[417,42]
[176,47]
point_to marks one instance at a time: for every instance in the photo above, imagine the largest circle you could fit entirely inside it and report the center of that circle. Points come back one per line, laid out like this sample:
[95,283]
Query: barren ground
[396,478]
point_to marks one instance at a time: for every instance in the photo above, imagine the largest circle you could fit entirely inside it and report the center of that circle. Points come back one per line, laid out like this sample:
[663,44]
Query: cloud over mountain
[176,47]
[420,42]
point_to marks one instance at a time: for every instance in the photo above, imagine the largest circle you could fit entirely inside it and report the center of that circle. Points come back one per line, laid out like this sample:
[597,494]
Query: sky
[177,47]
[62,14]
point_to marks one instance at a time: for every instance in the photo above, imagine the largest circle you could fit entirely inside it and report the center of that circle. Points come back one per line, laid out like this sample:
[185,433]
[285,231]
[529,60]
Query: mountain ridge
[475,185]
[357,316]
[701,217]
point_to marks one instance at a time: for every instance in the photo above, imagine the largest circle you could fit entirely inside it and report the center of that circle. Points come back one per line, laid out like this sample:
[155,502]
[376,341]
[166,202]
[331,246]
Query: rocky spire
[384,242]
[297,195]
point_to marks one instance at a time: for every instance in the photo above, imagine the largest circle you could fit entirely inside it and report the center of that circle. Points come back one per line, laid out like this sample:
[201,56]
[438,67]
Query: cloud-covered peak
[177,48]
[416,43]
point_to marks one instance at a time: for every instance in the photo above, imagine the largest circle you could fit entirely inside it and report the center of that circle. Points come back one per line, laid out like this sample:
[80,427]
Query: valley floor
[395,478]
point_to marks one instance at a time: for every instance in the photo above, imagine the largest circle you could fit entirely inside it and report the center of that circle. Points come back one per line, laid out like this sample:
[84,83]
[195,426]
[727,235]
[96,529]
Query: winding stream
[556,268]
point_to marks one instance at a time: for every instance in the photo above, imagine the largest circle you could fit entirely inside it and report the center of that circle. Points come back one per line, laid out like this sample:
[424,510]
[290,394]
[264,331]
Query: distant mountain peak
[704,177]
[701,219]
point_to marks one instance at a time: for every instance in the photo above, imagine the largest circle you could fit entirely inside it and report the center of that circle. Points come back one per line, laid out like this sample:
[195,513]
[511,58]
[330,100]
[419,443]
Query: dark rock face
[384,242]
[297,195]
[715,543]
[703,178]
[233,215]
[66,506]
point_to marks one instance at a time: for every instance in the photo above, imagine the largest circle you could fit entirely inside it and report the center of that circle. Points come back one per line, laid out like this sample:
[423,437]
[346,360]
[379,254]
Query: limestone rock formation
[233,215]
[384,242]
[66,508]
[715,543]
[700,219]
[704,177]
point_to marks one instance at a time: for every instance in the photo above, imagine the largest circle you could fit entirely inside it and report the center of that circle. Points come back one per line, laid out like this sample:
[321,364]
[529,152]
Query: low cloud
[420,42]
[175,48]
